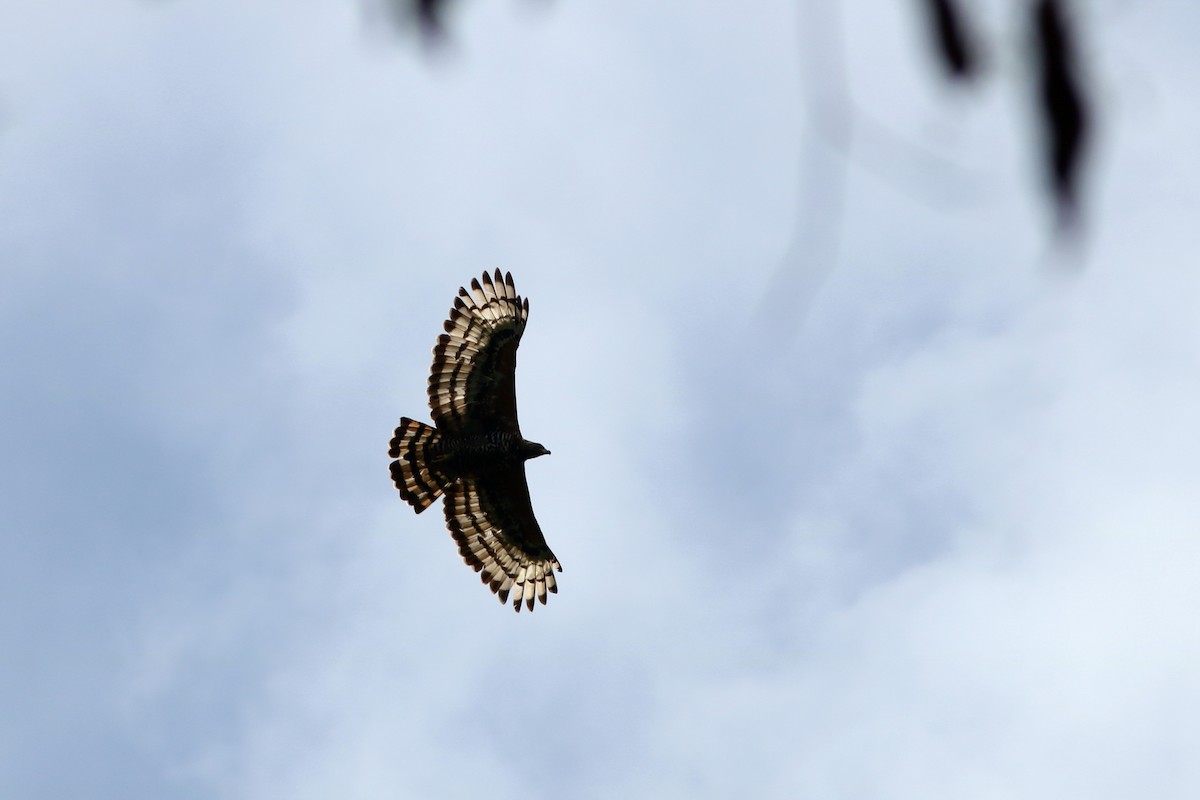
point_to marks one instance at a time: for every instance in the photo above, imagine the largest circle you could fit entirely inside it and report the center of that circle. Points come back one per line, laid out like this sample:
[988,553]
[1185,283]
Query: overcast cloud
[927,527]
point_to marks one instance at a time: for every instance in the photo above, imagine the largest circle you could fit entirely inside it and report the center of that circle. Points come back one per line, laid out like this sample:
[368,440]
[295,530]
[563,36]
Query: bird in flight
[474,453]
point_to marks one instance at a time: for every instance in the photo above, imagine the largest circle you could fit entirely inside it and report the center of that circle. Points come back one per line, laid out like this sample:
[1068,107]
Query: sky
[864,487]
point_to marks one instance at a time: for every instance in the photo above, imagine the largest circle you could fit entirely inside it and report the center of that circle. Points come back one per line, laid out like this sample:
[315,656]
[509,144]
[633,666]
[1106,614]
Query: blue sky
[858,492]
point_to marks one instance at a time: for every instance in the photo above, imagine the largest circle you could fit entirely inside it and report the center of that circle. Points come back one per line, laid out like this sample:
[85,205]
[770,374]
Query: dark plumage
[474,453]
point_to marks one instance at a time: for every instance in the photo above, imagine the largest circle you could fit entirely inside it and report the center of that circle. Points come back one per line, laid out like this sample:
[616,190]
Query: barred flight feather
[474,454]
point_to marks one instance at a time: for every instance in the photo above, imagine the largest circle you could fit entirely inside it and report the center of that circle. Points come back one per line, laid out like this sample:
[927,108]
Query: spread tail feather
[414,471]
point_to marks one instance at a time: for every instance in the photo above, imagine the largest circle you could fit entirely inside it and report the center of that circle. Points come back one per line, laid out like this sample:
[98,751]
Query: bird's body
[477,453]
[474,454]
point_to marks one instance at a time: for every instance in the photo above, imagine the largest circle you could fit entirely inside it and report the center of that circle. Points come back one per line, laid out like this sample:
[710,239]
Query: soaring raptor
[474,453]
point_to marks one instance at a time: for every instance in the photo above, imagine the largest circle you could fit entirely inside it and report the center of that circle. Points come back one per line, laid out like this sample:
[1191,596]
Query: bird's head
[533,450]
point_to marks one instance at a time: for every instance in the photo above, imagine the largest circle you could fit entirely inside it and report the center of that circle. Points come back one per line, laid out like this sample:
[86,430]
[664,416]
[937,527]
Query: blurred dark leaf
[428,16]
[954,48]
[1063,107]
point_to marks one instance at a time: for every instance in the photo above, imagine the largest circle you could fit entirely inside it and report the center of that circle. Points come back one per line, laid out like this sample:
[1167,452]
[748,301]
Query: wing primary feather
[530,585]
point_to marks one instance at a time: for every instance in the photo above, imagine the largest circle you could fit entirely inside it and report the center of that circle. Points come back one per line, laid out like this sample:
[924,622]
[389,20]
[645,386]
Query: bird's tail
[415,471]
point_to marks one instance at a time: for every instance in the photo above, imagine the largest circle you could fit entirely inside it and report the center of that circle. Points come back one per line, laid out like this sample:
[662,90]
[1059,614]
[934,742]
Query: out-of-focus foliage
[952,43]
[1063,109]
[1062,103]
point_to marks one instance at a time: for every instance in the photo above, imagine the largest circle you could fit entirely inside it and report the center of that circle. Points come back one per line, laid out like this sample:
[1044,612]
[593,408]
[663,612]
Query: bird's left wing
[492,521]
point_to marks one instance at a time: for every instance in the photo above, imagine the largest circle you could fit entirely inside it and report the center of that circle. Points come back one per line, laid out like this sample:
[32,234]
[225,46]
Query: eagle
[474,454]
